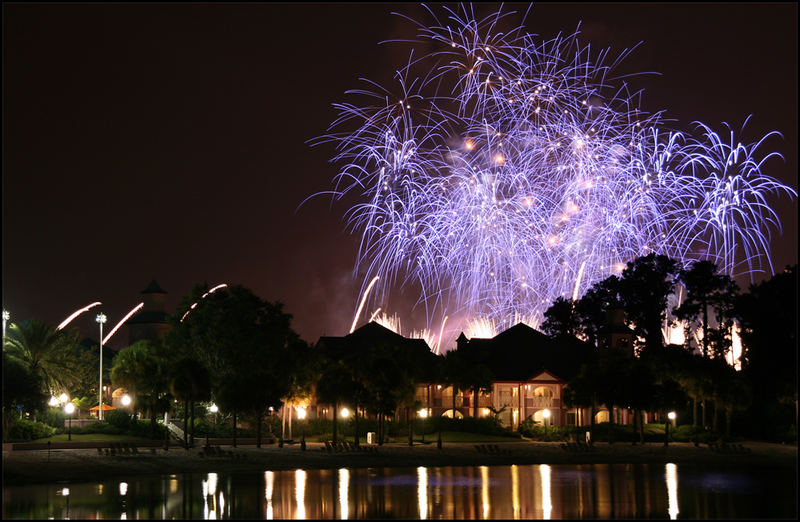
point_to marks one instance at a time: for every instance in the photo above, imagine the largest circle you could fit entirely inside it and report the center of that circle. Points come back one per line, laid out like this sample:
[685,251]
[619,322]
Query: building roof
[371,333]
[521,353]
[148,317]
[153,288]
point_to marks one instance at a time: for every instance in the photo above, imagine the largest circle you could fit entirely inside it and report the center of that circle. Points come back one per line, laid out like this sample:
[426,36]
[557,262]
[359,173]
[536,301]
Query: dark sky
[149,141]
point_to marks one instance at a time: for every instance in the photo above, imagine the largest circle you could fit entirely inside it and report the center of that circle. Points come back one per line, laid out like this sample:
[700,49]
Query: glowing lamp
[213,408]
[69,408]
[63,398]
[53,402]
[671,415]
[126,400]
[423,413]
[344,413]
[546,414]
[301,413]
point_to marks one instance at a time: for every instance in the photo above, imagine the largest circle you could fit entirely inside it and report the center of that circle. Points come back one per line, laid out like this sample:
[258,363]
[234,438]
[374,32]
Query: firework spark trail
[76,313]
[509,171]
[194,305]
[122,321]
[361,305]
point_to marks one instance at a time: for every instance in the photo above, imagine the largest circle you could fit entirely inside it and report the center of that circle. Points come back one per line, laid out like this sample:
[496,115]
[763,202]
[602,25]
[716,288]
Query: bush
[98,427]
[120,418]
[52,417]
[535,430]
[482,425]
[24,429]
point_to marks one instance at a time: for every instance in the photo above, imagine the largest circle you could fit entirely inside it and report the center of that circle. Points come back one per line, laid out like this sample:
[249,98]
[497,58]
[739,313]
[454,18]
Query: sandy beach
[35,466]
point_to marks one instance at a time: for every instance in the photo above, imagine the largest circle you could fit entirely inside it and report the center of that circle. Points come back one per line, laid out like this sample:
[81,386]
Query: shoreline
[86,465]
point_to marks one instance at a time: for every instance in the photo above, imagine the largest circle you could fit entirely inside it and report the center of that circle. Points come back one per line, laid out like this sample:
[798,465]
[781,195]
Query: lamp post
[101,319]
[546,415]
[423,413]
[69,409]
[213,409]
[6,317]
[301,414]
[670,419]
[344,412]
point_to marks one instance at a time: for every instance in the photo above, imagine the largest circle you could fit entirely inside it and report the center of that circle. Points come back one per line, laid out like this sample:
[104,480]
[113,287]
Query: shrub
[482,425]
[24,429]
[52,417]
[535,430]
[120,418]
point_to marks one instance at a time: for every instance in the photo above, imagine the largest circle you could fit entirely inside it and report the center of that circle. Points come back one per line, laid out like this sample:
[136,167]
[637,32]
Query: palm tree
[142,368]
[704,288]
[49,354]
[190,381]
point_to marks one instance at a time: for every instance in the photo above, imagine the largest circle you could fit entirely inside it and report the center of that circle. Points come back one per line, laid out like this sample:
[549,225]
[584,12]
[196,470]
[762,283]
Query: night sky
[149,141]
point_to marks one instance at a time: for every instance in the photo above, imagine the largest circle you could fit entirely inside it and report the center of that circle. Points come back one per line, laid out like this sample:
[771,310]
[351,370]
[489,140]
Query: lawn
[447,436]
[92,437]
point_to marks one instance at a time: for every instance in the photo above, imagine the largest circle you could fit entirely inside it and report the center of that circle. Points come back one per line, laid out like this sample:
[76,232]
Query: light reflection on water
[483,492]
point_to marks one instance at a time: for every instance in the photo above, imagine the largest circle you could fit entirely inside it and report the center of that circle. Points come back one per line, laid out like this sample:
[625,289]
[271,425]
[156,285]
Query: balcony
[542,402]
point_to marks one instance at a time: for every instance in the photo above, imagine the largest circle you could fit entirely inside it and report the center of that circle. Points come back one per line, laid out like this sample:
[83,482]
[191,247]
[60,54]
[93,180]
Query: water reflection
[269,477]
[515,491]
[672,490]
[422,492]
[485,491]
[499,492]
[344,484]
[547,503]
[300,493]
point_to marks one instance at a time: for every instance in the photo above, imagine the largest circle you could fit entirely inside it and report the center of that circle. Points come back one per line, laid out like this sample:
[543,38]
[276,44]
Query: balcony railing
[542,402]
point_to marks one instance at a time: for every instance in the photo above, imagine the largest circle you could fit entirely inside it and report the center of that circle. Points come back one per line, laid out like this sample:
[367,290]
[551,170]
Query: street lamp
[101,320]
[344,412]
[301,414]
[670,419]
[546,415]
[6,317]
[213,409]
[69,409]
[423,413]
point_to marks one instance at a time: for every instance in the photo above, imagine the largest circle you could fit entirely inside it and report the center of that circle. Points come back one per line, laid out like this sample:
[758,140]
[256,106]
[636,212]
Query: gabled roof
[373,333]
[521,353]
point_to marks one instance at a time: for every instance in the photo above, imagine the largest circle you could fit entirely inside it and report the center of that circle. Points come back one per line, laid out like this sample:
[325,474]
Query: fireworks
[510,171]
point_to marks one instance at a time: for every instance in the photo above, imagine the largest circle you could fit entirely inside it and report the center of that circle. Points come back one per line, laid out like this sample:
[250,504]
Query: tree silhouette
[53,356]
[706,289]
[244,342]
[142,369]
[561,318]
[591,308]
[768,320]
[644,287]
[21,389]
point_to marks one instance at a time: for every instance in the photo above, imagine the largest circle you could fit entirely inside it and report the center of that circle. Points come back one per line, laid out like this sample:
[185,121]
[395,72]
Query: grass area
[92,437]
[447,436]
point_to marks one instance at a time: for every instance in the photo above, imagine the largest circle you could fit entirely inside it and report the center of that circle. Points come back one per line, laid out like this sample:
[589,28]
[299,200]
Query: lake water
[480,492]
